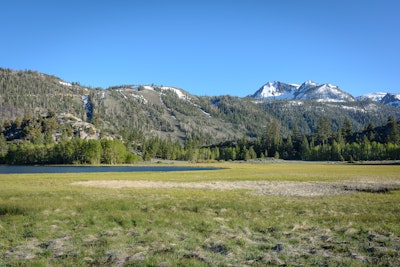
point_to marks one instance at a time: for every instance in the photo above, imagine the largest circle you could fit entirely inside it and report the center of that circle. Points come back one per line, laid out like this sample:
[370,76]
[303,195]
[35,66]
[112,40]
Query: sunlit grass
[44,220]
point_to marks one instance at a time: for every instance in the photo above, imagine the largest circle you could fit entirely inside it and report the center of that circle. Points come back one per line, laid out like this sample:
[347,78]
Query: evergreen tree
[272,136]
[336,153]
[323,130]
[370,131]
[393,135]
[347,128]
[304,149]
[289,152]
[296,133]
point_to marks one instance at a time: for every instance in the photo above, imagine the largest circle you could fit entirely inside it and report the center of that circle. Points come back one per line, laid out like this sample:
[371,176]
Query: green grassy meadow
[46,220]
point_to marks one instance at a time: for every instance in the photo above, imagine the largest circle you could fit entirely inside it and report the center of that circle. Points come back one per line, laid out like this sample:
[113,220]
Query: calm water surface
[8,169]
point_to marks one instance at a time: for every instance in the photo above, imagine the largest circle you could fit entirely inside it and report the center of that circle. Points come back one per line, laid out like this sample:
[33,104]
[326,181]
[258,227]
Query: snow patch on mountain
[65,83]
[351,108]
[103,95]
[296,103]
[183,96]
[87,105]
[124,96]
[148,87]
[85,100]
[140,98]
[177,91]
[309,83]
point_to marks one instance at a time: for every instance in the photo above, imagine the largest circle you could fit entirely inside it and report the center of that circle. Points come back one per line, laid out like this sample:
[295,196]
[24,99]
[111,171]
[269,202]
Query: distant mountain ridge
[309,90]
[383,98]
[326,92]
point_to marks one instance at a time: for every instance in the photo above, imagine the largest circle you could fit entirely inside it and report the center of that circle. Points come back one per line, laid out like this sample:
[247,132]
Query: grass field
[292,214]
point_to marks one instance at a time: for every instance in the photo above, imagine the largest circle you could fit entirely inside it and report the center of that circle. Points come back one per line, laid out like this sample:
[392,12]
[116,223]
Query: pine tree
[347,128]
[393,135]
[271,136]
[290,153]
[370,131]
[323,130]
[296,133]
[304,149]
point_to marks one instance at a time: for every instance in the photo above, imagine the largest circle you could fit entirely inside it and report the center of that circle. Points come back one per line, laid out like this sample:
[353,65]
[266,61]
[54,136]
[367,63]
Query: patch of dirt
[276,188]
[59,248]
[26,251]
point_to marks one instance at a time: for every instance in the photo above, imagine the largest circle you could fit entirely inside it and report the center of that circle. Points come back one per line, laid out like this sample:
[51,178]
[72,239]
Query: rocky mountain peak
[309,90]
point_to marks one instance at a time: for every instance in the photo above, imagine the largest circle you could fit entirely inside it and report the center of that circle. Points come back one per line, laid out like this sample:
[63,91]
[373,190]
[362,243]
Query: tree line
[373,143]
[31,141]
[42,140]
[75,151]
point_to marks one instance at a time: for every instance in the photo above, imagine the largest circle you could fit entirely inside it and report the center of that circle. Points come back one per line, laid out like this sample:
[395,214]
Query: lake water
[12,169]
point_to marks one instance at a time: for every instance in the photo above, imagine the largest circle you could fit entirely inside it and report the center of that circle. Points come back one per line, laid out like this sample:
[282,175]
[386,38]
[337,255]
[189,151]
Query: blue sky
[208,47]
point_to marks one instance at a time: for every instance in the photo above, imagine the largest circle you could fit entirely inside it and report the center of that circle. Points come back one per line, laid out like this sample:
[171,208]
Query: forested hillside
[168,122]
[23,92]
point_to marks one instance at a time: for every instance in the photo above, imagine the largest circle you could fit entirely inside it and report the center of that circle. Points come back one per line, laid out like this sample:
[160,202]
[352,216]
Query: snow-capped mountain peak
[383,98]
[276,90]
[391,100]
[309,90]
[377,96]
[322,93]
[310,83]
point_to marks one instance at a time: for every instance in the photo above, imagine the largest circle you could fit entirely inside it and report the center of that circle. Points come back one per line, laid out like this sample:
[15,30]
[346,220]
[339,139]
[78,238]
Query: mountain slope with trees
[168,122]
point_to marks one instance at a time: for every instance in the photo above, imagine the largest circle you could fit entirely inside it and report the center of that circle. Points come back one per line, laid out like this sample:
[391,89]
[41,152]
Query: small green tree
[93,151]
[252,153]
[114,151]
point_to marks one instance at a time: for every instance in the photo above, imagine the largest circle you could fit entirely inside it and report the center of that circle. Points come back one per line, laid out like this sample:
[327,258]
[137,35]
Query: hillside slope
[166,111]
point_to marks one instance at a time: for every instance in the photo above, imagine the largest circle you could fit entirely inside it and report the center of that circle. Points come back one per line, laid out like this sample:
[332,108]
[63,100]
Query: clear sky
[207,47]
